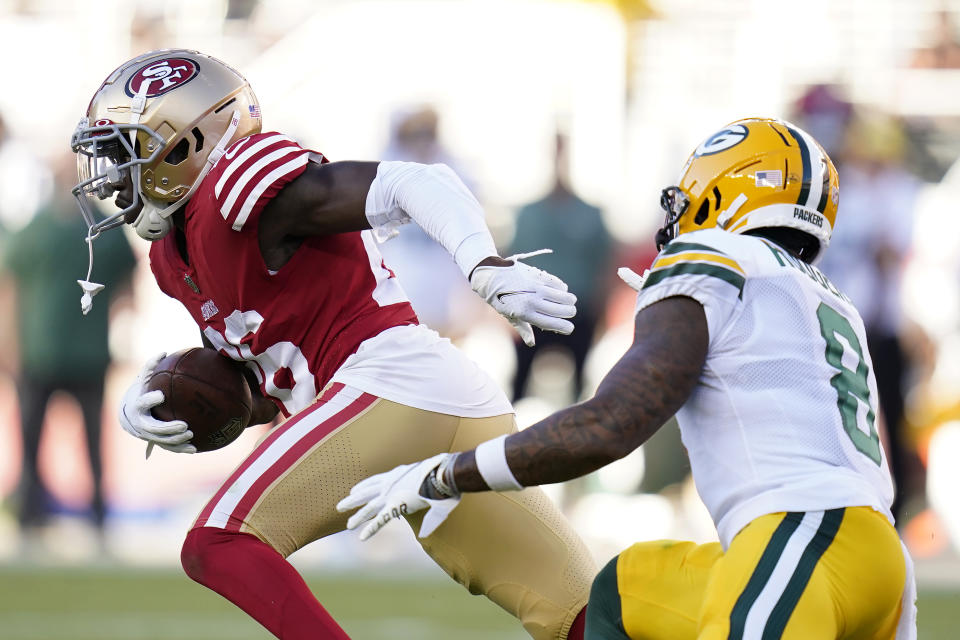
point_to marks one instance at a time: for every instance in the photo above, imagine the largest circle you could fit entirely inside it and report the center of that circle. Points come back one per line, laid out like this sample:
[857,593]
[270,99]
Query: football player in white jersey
[764,363]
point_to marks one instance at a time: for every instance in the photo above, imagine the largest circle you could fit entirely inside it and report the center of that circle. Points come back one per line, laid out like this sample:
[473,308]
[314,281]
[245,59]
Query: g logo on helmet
[722,140]
[161,76]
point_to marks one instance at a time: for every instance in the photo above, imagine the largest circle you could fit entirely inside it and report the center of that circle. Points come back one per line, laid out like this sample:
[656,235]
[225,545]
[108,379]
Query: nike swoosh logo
[230,154]
[501,296]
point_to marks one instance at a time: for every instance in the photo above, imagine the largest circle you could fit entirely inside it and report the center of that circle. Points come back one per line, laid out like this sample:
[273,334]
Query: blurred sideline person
[273,251]
[562,221]
[58,352]
[25,180]
[942,48]
[867,262]
[440,296]
[764,363]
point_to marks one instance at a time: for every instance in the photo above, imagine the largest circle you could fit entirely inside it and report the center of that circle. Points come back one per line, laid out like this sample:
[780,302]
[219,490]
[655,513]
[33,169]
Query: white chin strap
[90,289]
[153,222]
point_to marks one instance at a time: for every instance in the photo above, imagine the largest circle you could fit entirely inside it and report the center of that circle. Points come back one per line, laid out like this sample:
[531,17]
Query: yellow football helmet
[163,118]
[752,174]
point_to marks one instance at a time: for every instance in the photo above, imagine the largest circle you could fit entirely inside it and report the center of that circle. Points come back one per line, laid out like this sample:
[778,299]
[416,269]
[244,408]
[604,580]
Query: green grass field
[132,604]
[135,604]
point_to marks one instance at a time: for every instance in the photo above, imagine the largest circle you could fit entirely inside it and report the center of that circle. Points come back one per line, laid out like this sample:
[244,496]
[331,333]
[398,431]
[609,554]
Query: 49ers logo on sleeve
[161,76]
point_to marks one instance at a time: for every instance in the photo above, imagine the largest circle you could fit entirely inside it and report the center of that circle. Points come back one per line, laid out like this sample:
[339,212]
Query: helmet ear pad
[702,213]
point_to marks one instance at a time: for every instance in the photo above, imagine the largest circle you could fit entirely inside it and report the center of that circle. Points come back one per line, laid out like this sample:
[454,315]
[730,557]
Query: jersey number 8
[851,384]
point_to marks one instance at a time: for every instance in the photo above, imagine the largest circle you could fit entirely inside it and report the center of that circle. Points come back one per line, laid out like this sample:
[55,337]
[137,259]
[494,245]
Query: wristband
[491,457]
[443,482]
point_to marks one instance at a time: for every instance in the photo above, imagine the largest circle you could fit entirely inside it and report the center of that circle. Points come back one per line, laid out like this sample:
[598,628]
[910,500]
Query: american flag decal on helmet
[254,110]
[772,178]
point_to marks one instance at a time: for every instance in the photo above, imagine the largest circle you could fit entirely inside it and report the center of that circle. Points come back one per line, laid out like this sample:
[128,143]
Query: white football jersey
[784,415]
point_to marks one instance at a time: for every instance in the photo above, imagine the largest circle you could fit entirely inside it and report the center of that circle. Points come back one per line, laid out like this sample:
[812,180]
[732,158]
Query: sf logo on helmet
[162,76]
[722,140]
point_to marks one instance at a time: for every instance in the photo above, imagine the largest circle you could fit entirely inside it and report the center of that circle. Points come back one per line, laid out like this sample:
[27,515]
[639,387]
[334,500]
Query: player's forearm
[567,445]
[640,393]
[264,410]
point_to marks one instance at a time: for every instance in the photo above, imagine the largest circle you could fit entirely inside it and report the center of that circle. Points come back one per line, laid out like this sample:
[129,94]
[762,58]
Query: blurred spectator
[825,113]
[60,350]
[943,51]
[437,290]
[866,261]
[581,257]
[24,180]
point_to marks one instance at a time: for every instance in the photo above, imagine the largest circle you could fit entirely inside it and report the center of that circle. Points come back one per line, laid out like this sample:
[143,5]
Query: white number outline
[281,355]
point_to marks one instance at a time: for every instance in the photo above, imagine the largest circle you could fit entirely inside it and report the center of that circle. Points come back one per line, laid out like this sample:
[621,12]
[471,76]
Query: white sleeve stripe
[244,180]
[265,183]
[243,157]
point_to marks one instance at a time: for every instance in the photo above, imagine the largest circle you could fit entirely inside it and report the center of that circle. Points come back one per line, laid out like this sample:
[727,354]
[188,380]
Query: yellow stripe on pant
[826,574]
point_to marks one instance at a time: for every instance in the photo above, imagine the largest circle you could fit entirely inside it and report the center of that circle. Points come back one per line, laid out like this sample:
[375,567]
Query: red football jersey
[295,326]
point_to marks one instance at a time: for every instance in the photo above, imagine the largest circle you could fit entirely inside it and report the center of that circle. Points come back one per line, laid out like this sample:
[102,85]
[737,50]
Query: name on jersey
[807,216]
[787,260]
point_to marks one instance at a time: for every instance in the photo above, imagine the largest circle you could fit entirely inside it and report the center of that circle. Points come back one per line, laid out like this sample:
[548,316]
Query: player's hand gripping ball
[207,391]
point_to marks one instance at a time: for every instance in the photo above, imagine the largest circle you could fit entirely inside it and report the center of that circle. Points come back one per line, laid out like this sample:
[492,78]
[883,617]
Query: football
[207,391]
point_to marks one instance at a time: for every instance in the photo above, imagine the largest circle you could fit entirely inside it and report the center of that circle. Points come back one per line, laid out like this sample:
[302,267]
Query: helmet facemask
[106,158]
[675,203]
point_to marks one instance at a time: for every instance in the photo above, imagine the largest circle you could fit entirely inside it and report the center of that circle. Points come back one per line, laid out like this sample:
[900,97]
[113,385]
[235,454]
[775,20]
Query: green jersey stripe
[700,268]
[679,247]
[817,546]
[762,572]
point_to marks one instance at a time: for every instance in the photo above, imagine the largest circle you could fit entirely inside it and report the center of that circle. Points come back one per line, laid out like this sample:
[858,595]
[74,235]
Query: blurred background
[566,118]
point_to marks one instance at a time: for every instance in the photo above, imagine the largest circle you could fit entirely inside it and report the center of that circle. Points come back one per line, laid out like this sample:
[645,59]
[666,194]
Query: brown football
[207,391]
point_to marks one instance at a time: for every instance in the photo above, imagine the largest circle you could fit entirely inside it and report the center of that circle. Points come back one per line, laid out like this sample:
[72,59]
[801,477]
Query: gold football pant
[797,576]
[515,548]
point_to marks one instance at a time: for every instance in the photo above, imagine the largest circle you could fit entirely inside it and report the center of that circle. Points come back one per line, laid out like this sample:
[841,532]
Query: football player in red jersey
[273,251]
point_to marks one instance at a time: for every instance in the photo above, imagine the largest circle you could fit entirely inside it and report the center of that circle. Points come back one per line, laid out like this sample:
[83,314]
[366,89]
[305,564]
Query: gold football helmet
[752,174]
[163,119]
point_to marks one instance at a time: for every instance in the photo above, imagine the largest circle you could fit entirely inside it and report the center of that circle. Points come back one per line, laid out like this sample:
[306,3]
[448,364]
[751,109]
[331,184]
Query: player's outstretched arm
[349,196]
[643,390]
[640,393]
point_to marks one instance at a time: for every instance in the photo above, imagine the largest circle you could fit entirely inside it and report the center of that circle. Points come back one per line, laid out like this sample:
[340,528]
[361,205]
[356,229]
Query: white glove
[136,419]
[525,296]
[394,494]
[632,278]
